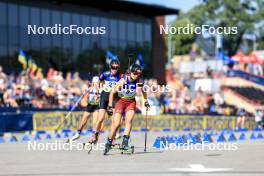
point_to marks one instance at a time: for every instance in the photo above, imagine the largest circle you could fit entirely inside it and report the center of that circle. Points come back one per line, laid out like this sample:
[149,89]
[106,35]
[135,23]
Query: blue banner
[247,76]
[13,122]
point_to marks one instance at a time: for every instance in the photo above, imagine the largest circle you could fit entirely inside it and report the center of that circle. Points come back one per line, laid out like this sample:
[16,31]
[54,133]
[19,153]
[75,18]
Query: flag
[140,61]
[32,67]
[224,58]
[22,58]
[29,62]
[110,56]
[32,64]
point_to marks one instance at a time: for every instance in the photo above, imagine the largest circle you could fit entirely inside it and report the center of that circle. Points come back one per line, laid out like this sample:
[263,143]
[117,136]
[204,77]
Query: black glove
[110,110]
[146,104]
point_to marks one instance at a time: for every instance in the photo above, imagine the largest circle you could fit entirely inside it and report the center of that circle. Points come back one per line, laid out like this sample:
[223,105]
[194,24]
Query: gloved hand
[110,110]
[146,104]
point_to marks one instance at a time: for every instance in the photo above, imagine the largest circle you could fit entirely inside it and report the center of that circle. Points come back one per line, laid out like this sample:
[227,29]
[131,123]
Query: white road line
[200,168]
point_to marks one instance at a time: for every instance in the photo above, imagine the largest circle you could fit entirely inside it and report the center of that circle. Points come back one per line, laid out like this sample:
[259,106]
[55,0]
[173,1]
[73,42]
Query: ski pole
[72,109]
[146,130]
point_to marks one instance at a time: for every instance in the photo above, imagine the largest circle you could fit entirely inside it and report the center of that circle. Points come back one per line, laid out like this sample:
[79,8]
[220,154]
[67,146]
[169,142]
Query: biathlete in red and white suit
[126,89]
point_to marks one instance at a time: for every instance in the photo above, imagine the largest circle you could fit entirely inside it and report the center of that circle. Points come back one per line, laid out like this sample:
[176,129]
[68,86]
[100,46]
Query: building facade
[129,28]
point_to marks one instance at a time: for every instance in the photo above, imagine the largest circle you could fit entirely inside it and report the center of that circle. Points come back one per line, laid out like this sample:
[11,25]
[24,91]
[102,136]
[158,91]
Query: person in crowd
[259,118]
[241,117]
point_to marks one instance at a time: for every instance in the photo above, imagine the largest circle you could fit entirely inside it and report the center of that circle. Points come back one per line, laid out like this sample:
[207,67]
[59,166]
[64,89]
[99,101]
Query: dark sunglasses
[114,67]
[136,73]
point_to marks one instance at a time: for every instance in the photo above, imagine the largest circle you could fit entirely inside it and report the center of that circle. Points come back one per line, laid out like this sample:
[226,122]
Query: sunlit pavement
[16,159]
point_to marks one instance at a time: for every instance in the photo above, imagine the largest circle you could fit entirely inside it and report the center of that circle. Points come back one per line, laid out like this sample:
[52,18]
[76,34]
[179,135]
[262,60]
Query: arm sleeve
[140,83]
[102,76]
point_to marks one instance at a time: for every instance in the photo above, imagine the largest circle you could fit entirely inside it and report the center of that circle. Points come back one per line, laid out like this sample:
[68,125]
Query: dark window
[85,37]
[104,43]
[23,16]
[12,24]
[12,50]
[3,50]
[56,19]
[122,44]
[12,15]
[34,16]
[2,13]
[45,21]
[76,39]
[23,23]
[104,23]
[13,35]
[105,37]
[139,33]
[35,20]
[113,29]
[66,21]
[147,32]
[113,43]
[95,21]
[122,30]
[3,32]
[131,31]
[95,39]
[3,29]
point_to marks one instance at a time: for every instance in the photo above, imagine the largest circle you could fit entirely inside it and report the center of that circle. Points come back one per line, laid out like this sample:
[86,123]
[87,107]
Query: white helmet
[95,79]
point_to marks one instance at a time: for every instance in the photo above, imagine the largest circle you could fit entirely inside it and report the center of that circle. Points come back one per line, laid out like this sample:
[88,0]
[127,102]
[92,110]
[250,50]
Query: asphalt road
[16,159]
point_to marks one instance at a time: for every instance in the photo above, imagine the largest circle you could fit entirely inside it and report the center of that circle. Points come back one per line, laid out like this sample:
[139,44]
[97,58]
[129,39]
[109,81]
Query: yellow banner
[51,121]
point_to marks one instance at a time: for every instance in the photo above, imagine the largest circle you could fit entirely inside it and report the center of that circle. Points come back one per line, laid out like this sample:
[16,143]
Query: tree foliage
[243,14]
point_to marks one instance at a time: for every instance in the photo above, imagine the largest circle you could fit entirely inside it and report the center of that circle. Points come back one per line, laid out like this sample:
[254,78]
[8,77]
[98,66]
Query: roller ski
[109,145]
[125,148]
[92,141]
[88,147]
[75,137]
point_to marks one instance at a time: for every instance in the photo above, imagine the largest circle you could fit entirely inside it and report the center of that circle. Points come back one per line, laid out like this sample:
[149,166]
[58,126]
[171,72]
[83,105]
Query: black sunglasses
[136,73]
[114,67]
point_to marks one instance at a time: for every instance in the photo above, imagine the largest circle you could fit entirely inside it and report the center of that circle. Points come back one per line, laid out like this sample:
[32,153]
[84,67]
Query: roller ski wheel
[70,141]
[108,147]
[88,147]
[130,150]
[75,137]
[115,146]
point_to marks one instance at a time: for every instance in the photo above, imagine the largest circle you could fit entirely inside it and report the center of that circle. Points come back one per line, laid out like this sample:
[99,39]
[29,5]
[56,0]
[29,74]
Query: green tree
[182,42]
[243,14]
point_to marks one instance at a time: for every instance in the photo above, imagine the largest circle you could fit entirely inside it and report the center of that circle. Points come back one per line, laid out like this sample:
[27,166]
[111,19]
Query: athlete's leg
[128,126]
[128,121]
[101,112]
[82,124]
[243,119]
[238,122]
[95,119]
[100,119]
[116,122]
[97,126]
[84,120]
[119,132]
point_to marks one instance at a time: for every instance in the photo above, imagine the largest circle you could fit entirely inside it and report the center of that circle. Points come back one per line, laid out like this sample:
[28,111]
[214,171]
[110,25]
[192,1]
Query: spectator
[259,118]
[241,117]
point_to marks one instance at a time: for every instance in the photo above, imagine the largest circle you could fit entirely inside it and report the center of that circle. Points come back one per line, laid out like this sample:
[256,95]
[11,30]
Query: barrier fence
[254,78]
[28,121]
[50,121]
